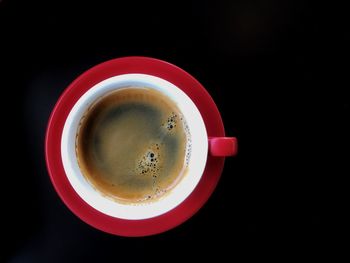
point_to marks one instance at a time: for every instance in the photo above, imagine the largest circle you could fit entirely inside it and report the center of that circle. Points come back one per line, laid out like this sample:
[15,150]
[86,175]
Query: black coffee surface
[131,145]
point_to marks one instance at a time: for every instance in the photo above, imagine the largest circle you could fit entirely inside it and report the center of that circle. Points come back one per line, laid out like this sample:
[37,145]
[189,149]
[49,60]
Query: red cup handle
[223,146]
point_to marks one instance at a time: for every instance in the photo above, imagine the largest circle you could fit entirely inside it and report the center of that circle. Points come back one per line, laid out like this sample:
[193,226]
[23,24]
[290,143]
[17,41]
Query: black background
[276,69]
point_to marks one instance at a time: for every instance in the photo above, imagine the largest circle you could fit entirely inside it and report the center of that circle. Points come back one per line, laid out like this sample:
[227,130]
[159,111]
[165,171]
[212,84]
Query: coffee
[133,145]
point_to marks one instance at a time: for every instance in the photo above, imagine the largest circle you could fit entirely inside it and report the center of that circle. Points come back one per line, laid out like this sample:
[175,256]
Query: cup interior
[196,163]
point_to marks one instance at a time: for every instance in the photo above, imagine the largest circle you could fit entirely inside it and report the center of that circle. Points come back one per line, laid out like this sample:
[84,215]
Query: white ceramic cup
[196,163]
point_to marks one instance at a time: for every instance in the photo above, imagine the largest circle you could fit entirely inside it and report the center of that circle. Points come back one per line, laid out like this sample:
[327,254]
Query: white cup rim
[179,193]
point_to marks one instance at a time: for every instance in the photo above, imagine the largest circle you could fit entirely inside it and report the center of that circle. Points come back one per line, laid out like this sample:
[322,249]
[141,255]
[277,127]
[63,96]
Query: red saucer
[76,89]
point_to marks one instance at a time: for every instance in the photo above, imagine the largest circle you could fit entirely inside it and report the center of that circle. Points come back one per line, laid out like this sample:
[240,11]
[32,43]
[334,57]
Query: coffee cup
[132,146]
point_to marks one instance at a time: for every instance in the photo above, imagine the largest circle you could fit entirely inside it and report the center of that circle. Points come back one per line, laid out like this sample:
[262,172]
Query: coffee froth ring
[133,145]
